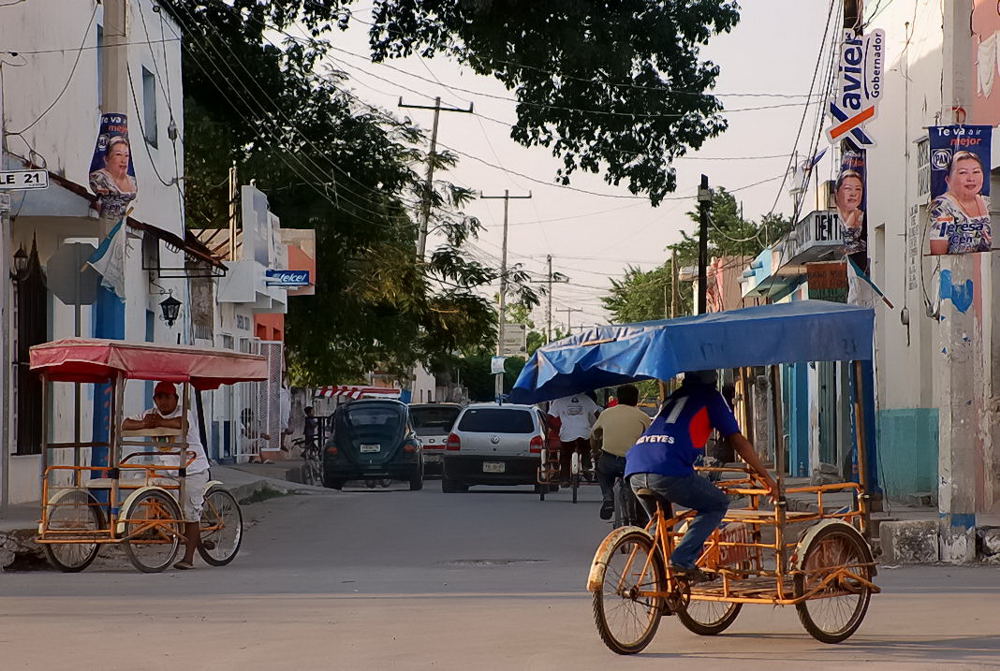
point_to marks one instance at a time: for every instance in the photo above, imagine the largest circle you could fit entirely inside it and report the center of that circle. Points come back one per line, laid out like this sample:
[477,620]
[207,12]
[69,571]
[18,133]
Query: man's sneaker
[607,510]
[692,575]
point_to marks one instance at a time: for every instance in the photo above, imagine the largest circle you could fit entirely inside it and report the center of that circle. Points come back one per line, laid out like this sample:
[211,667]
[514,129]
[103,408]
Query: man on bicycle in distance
[614,432]
[663,460]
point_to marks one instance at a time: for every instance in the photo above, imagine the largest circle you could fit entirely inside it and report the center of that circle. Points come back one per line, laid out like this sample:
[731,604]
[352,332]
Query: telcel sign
[287,278]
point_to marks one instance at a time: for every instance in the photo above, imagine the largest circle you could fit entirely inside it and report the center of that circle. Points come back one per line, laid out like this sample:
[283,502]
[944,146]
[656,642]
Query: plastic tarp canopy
[94,360]
[605,356]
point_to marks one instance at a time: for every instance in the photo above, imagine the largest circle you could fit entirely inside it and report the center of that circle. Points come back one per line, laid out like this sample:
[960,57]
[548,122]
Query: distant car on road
[433,423]
[493,444]
[373,440]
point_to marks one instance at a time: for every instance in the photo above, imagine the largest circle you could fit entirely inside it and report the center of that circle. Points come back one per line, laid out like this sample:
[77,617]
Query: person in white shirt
[166,414]
[576,414]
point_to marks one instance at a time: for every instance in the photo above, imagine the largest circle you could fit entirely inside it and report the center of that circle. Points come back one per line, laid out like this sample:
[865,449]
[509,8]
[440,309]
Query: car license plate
[432,458]
[371,447]
[494,467]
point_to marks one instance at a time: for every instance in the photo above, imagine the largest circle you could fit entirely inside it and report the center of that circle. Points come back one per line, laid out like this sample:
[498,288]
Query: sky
[773,50]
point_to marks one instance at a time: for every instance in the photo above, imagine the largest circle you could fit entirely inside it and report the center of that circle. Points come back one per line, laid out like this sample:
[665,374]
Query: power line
[294,128]
[283,156]
[565,108]
[76,62]
[618,84]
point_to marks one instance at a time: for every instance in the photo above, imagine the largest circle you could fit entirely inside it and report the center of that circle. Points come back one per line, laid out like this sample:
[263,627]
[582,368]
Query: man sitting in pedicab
[167,415]
[663,460]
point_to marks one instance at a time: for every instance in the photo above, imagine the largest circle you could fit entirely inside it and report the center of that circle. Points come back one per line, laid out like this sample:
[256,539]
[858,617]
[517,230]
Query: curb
[18,546]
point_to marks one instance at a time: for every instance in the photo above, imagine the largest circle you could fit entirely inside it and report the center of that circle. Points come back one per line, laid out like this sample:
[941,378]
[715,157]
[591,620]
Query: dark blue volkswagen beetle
[373,440]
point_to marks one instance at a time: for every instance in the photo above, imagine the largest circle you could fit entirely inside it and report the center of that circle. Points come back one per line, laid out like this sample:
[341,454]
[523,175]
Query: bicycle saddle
[655,497]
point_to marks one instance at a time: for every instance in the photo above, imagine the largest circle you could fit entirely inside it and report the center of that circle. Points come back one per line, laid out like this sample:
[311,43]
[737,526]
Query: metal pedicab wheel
[76,510]
[626,620]
[837,610]
[153,531]
[708,618]
[221,527]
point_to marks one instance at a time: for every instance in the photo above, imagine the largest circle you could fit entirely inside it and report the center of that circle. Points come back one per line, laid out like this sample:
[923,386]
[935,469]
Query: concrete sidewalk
[249,483]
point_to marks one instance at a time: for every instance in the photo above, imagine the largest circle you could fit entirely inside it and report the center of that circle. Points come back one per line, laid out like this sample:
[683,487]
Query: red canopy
[92,360]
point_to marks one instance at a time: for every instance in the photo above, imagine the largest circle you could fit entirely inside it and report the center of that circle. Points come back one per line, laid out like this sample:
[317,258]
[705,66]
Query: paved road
[423,580]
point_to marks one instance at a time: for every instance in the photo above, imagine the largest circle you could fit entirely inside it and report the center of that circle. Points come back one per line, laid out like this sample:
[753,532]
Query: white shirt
[577,413]
[200,463]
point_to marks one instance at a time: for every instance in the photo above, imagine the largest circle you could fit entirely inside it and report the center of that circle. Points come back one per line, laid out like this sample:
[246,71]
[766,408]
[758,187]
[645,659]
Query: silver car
[493,444]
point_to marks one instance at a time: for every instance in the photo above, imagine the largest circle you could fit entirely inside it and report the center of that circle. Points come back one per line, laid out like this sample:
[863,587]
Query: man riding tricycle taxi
[167,415]
[662,459]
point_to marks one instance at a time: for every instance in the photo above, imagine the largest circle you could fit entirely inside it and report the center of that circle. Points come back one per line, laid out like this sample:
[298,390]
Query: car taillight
[409,447]
[536,445]
[331,450]
[454,442]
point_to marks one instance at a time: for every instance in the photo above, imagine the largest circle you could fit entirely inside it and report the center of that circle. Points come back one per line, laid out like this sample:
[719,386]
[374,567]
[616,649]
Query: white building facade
[54,86]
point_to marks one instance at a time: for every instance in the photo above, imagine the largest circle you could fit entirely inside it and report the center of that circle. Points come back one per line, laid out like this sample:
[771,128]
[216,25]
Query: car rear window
[496,420]
[433,421]
[361,416]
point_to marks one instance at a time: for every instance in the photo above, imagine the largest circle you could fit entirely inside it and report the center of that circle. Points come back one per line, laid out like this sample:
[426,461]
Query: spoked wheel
[153,530]
[834,556]
[75,511]
[625,618]
[708,618]
[221,527]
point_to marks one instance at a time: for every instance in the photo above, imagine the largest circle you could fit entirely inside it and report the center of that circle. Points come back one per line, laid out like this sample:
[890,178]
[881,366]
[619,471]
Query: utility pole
[674,290]
[548,321]
[108,312]
[704,203]
[5,365]
[503,278]
[234,191]
[569,312]
[429,186]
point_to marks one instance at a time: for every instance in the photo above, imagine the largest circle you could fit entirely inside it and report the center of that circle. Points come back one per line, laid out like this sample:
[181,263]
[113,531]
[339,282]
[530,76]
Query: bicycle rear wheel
[221,527]
[626,616]
[836,554]
[708,618]
[153,530]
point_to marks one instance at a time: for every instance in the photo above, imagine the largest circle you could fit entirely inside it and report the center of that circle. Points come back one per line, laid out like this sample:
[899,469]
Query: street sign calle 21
[16,180]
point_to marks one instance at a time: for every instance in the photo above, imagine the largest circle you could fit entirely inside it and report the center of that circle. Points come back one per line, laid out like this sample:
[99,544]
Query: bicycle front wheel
[76,511]
[153,530]
[626,615]
[221,527]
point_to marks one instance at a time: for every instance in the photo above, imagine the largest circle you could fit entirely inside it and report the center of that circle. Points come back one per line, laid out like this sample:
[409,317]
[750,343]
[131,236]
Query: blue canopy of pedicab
[605,356]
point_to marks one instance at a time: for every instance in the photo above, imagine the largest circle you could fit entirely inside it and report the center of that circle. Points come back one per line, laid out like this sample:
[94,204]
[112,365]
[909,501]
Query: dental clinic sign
[859,87]
[286,278]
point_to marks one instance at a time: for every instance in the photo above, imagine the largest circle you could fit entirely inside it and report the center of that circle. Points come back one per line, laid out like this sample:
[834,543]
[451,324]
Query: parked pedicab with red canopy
[821,562]
[132,501]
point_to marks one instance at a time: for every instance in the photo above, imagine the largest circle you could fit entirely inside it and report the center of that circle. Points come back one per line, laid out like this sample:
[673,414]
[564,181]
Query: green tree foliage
[349,171]
[617,87]
[644,295]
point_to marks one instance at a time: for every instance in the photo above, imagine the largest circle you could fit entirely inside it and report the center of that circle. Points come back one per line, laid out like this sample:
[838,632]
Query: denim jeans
[609,467]
[693,492]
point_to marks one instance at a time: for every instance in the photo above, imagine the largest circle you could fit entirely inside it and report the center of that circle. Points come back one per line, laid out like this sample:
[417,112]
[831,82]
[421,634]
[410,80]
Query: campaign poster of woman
[960,189]
[112,175]
[851,199]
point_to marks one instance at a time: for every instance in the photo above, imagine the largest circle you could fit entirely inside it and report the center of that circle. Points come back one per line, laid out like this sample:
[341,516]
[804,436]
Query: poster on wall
[112,175]
[851,200]
[960,189]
